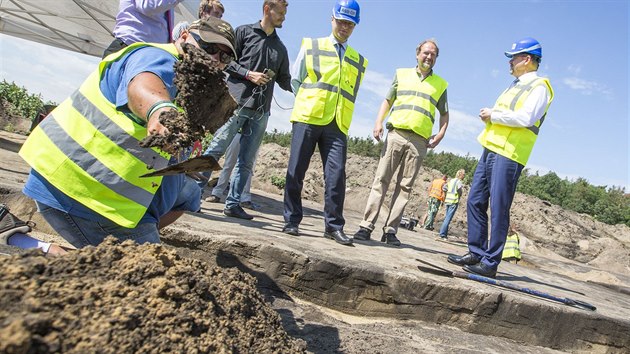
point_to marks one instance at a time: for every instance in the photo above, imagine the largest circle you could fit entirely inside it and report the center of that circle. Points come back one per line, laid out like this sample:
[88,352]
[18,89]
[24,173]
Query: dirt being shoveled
[204,97]
[126,298]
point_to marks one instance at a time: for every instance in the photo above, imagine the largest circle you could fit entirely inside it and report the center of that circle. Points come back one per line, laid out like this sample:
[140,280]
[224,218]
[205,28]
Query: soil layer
[126,298]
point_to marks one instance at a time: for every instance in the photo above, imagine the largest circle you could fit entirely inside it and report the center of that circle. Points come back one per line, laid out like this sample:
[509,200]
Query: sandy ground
[329,331]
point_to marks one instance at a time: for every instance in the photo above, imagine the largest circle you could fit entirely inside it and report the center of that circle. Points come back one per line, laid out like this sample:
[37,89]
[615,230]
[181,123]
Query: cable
[277,104]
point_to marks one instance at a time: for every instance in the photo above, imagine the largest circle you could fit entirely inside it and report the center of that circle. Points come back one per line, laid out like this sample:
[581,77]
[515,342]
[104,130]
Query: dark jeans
[332,144]
[494,185]
[115,46]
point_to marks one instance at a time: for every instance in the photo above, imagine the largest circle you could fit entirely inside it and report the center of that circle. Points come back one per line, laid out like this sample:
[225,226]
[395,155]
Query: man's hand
[258,78]
[154,127]
[485,114]
[434,140]
[378,131]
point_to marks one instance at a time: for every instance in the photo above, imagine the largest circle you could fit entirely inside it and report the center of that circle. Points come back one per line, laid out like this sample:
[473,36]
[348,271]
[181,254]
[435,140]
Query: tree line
[610,205]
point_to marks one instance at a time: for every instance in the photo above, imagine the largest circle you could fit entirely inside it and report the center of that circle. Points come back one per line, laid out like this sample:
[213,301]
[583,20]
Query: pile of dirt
[129,298]
[204,97]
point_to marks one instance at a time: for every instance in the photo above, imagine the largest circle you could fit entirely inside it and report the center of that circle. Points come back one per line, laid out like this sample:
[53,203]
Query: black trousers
[115,46]
[333,147]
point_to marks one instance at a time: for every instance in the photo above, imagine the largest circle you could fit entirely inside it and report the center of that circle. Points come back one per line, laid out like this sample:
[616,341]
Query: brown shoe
[213,199]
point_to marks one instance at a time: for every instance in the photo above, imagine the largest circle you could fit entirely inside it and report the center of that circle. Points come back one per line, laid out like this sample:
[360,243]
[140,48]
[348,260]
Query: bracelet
[157,105]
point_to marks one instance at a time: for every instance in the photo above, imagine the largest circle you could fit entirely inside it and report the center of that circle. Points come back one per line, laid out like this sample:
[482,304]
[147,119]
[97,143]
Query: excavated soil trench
[365,290]
[125,298]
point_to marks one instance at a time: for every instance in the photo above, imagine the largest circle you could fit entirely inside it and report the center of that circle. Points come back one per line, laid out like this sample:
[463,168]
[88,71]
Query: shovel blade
[196,164]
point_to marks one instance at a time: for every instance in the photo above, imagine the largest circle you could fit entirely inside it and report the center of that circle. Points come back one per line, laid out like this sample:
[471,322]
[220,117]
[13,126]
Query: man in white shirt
[512,127]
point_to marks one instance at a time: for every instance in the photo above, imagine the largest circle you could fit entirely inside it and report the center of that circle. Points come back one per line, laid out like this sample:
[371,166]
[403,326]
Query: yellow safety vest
[330,88]
[515,143]
[452,195]
[416,99]
[436,190]
[512,249]
[90,151]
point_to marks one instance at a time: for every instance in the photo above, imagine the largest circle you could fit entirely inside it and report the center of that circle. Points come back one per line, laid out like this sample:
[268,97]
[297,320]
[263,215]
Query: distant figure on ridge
[453,190]
[436,197]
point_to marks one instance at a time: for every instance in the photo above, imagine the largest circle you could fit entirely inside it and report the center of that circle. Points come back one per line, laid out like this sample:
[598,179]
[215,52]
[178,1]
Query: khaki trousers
[402,155]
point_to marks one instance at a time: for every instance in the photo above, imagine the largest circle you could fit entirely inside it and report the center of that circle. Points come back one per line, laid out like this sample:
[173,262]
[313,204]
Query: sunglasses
[212,49]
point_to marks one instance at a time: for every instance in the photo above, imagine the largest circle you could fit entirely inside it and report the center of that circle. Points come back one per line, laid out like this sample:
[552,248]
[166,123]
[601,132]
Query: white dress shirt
[532,110]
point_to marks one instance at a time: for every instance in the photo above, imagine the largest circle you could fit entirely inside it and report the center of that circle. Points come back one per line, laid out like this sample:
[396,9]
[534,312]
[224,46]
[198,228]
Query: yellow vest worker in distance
[512,249]
[85,157]
[415,96]
[512,127]
[453,191]
[326,78]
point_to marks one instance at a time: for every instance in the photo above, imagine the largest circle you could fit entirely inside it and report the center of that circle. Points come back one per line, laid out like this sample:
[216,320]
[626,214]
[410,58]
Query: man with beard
[413,99]
[263,60]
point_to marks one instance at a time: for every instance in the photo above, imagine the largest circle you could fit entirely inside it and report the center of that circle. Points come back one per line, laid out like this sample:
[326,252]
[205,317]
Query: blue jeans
[251,124]
[494,185]
[450,211]
[80,232]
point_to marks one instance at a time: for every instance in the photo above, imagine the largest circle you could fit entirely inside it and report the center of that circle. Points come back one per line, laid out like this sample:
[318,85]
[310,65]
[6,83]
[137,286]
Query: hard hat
[526,45]
[348,10]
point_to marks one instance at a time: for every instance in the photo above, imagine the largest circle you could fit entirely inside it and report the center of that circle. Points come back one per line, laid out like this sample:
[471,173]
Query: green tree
[18,101]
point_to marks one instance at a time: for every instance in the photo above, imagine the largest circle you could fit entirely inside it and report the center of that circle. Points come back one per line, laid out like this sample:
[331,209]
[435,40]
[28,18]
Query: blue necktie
[338,48]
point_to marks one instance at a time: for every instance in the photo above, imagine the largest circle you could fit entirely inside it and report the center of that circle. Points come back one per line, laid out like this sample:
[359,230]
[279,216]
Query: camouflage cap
[215,30]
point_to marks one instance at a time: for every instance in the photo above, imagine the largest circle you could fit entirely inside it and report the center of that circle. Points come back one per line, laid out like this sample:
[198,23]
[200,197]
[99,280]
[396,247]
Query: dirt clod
[204,97]
[129,298]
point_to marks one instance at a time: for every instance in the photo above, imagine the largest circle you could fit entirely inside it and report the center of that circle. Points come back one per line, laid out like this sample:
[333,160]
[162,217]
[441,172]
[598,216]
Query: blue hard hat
[526,45]
[348,10]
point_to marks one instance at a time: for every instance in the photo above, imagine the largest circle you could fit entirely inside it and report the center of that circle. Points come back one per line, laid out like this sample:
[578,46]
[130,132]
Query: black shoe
[467,259]
[481,269]
[338,236]
[390,239]
[291,229]
[363,234]
[237,212]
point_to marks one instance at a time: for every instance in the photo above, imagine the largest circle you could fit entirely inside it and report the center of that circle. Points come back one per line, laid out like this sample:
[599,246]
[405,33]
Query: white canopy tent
[83,26]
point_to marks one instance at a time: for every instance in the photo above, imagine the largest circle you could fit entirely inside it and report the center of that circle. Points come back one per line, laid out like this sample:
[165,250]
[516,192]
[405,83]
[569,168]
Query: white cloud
[586,87]
[574,69]
[376,83]
[463,126]
[495,73]
[44,74]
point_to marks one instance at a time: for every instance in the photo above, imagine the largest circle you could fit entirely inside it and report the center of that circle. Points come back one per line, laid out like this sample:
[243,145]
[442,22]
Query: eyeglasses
[344,23]
[212,49]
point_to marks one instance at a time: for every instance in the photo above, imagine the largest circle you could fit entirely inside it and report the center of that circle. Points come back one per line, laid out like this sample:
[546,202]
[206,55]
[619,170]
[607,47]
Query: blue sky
[585,55]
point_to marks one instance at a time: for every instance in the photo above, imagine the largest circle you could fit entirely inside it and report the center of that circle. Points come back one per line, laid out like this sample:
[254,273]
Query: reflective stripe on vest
[436,190]
[330,87]
[513,142]
[512,248]
[452,197]
[416,100]
[90,151]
